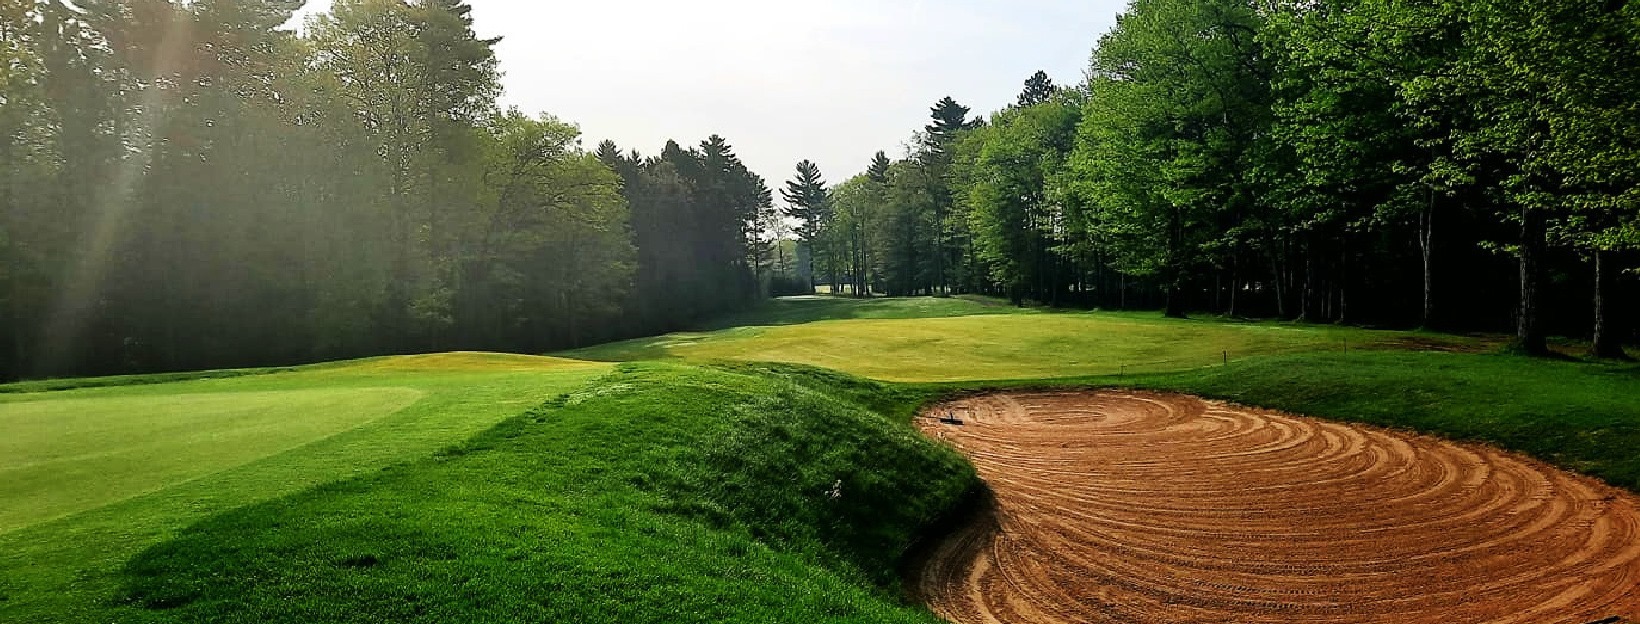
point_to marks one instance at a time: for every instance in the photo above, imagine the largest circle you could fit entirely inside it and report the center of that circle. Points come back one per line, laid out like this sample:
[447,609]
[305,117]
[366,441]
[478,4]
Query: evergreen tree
[808,202]
[1038,89]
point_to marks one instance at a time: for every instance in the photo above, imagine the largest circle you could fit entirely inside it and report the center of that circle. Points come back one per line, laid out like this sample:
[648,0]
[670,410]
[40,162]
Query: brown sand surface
[1137,507]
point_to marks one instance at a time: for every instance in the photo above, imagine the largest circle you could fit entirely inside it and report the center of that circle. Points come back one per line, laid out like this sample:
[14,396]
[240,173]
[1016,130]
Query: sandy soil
[1134,507]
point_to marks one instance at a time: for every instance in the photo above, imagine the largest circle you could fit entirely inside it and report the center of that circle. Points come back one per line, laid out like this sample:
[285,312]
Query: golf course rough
[1136,507]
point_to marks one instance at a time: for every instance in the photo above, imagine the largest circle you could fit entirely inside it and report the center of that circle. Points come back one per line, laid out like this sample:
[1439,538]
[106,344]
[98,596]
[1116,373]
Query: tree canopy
[1460,165]
[188,185]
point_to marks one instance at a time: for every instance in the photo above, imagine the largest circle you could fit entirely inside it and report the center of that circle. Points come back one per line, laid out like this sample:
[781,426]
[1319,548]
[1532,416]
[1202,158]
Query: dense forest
[190,185]
[1451,164]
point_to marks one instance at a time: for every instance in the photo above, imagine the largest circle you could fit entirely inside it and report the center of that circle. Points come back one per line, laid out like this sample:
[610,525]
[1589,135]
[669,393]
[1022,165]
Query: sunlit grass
[966,340]
[90,477]
[65,455]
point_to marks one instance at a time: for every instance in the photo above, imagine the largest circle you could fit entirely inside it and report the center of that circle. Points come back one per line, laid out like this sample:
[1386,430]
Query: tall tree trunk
[1175,298]
[19,341]
[1280,281]
[939,251]
[1426,248]
[1608,339]
[1218,291]
[1307,298]
[1529,336]
[1343,280]
[1175,265]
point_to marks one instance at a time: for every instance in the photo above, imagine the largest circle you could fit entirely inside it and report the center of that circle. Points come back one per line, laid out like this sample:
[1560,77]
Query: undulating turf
[737,492]
[966,340]
[666,493]
[90,477]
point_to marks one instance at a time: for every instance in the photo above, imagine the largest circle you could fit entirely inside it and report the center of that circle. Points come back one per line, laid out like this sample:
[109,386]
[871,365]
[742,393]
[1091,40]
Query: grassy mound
[664,494]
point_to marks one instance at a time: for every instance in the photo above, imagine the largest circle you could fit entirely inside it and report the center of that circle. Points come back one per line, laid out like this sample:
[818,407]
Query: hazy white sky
[829,80]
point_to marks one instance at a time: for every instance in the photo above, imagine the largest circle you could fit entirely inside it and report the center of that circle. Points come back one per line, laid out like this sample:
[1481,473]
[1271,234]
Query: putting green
[62,456]
[1000,346]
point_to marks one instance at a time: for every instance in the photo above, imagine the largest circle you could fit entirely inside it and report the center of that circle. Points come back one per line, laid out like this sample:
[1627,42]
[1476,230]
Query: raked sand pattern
[1136,507]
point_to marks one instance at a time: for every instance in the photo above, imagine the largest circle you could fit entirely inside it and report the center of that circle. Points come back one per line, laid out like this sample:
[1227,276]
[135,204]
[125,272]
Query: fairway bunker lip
[1119,506]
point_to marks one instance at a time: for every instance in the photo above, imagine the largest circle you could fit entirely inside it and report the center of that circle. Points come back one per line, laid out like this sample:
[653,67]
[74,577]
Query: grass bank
[666,493]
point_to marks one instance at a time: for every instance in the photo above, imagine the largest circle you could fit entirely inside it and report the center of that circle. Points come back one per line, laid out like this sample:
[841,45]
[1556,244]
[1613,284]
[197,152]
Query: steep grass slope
[666,493]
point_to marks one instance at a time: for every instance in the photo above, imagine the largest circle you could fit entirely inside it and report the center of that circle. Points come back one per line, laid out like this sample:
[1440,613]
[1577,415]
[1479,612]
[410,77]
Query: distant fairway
[92,476]
[971,340]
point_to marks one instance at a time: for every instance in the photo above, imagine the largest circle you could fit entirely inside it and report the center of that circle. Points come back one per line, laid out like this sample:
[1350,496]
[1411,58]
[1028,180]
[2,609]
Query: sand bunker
[1133,507]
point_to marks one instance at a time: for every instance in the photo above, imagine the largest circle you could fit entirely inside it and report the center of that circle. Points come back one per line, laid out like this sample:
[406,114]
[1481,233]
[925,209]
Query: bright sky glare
[829,80]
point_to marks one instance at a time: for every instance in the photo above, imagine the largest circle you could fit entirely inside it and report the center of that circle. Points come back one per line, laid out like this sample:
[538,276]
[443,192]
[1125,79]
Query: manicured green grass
[965,340]
[664,494]
[61,455]
[90,477]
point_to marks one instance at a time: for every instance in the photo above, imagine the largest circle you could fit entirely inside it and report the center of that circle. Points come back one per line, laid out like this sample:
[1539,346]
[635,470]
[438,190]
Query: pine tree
[1038,89]
[808,202]
[878,171]
[949,119]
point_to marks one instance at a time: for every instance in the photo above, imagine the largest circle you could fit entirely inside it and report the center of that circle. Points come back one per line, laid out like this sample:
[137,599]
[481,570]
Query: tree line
[189,185]
[1453,164]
